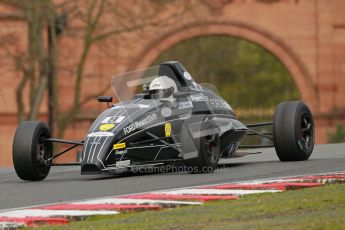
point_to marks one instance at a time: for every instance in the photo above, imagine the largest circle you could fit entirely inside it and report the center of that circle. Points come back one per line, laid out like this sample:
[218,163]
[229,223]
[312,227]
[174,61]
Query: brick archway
[298,71]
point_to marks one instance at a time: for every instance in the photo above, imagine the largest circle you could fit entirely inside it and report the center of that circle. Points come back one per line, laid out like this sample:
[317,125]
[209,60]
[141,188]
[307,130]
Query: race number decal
[113,119]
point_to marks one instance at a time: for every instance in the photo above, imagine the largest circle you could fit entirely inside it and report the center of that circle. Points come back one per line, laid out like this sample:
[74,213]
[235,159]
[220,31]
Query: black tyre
[293,131]
[208,148]
[31,154]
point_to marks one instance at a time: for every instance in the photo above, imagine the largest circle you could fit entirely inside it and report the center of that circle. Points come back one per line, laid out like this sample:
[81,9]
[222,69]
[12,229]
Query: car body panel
[145,131]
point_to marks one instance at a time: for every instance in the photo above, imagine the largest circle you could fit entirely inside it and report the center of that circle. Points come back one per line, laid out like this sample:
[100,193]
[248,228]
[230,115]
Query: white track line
[268,181]
[11,225]
[136,201]
[215,192]
[53,213]
[249,181]
[36,212]
[290,179]
[280,179]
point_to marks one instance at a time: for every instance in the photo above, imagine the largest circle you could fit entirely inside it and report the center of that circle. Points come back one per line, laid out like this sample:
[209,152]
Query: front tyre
[31,154]
[208,148]
[293,131]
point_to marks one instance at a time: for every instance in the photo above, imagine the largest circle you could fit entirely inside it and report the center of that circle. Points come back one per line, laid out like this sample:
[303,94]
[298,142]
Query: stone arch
[277,47]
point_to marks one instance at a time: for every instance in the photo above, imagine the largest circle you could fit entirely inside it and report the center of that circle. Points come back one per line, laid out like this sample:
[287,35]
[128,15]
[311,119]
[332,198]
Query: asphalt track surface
[66,183]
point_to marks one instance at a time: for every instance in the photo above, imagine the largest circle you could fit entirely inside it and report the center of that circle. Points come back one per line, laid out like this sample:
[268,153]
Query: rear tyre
[208,148]
[31,154]
[293,131]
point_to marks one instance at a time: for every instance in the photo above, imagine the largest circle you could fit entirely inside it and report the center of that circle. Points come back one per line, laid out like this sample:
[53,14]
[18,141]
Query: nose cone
[111,126]
[95,152]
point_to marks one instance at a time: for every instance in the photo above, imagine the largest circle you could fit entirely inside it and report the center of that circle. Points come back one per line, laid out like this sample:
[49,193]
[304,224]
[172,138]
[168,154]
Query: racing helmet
[162,87]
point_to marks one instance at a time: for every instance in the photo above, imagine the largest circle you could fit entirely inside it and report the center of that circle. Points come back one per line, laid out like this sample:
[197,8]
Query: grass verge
[313,208]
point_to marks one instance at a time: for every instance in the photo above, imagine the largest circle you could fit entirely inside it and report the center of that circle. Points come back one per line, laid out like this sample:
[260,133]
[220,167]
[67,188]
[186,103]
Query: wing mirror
[181,94]
[107,99]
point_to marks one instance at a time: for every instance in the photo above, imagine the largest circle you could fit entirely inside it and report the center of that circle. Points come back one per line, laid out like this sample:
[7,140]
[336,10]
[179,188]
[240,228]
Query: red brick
[300,33]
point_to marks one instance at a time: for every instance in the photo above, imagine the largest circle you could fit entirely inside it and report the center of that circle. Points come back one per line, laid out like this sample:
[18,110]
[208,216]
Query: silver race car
[163,117]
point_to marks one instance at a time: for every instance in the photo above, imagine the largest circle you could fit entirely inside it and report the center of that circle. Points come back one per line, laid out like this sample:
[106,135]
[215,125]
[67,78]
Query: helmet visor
[161,93]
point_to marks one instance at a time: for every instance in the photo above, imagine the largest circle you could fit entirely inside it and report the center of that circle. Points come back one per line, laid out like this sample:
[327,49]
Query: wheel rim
[211,146]
[306,133]
[43,153]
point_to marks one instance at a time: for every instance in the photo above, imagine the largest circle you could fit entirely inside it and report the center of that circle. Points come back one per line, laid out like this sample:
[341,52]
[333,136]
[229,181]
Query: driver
[162,87]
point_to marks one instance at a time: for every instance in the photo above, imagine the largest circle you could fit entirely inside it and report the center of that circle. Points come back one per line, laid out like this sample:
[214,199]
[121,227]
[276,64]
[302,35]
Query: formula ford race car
[163,117]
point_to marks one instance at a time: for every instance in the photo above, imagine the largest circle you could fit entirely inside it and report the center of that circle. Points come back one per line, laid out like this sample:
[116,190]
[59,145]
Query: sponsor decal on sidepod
[148,119]
[119,145]
[167,129]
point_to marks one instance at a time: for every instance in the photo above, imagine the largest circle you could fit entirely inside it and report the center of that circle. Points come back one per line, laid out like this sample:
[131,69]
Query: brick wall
[307,36]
